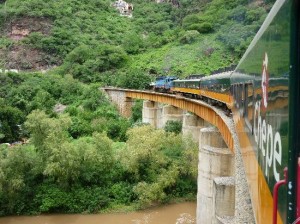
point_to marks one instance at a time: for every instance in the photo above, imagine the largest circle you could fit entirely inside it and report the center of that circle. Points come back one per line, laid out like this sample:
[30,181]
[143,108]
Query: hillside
[91,41]
[66,148]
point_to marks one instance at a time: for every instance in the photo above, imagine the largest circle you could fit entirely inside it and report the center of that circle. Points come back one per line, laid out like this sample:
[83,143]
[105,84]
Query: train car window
[240,98]
[234,93]
[249,105]
[238,95]
[245,95]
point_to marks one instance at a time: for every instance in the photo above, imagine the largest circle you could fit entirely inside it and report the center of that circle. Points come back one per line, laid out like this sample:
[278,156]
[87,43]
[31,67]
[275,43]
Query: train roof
[165,77]
[187,80]
[222,75]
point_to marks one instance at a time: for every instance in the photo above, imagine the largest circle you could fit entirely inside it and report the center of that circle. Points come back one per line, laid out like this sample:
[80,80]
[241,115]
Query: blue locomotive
[164,83]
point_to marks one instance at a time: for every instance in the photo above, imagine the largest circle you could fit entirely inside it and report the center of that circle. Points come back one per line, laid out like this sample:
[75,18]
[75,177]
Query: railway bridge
[223,195]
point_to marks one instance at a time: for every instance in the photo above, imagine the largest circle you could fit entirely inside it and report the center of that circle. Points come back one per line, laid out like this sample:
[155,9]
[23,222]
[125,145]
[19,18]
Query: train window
[248,105]
[234,93]
[245,94]
[238,96]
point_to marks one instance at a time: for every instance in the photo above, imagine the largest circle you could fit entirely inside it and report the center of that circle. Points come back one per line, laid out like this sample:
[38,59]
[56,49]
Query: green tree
[173,126]
[19,170]
[11,120]
[133,43]
[47,132]
[84,61]
[134,79]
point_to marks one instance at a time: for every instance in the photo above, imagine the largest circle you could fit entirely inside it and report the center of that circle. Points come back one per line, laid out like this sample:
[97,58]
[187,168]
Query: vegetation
[76,159]
[55,173]
[80,154]
[90,41]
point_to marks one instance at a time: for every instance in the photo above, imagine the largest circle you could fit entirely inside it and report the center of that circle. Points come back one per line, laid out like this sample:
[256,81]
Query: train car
[216,88]
[266,91]
[164,83]
[187,87]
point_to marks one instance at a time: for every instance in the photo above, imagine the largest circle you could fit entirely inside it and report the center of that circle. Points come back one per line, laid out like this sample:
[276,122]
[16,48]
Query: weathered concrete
[123,103]
[191,125]
[223,198]
[171,113]
[152,113]
[215,160]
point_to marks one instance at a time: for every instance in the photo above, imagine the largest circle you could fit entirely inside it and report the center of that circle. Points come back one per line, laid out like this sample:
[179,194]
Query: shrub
[190,20]
[134,79]
[189,37]
[204,27]
[173,126]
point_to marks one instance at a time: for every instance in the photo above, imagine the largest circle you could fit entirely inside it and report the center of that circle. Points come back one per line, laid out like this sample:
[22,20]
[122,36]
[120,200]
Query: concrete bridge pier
[152,113]
[171,113]
[123,103]
[216,190]
[192,124]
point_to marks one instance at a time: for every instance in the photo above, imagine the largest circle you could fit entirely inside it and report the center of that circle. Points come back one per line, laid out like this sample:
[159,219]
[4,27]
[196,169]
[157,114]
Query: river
[182,213]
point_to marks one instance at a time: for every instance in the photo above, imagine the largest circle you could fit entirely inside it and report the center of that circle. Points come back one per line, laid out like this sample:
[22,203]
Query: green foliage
[91,41]
[189,37]
[256,14]
[237,38]
[19,170]
[84,61]
[157,161]
[133,43]
[137,111]
[190,20]
[204,27]
[45,131]
[133,79]
[10,123]
[122,193]
[5,43]
[173,126]
[71,163]
[51,198]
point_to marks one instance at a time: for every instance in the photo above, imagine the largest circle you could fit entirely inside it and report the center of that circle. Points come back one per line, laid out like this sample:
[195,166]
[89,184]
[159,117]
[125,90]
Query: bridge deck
[200,108]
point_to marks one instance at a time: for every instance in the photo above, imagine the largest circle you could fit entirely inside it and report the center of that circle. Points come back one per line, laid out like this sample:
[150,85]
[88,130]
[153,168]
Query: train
[263,94]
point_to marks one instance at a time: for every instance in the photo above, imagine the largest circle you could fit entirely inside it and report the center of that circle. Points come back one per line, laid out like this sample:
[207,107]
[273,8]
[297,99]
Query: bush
[173,126]
[190,20]
[204,27]
[84,61]
[134,79]
[189,37]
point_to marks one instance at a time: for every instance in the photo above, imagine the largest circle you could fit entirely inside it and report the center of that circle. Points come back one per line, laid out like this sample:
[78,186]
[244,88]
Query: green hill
[91,41]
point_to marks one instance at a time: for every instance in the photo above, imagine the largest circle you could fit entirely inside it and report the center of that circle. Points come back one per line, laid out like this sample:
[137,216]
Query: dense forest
[79,154]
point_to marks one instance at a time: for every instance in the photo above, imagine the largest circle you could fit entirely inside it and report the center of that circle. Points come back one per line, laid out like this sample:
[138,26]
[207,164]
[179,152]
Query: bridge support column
[191,125]
[171,113]
[126,110]
[152,113]
[123,103]
[215,160]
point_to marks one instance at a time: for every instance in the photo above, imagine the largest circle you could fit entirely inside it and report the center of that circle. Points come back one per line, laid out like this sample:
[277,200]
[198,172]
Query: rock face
[124,8]
[19,56]
[20,28]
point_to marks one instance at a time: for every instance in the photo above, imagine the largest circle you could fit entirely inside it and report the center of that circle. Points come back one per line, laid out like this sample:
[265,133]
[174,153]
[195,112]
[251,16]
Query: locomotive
[263,93]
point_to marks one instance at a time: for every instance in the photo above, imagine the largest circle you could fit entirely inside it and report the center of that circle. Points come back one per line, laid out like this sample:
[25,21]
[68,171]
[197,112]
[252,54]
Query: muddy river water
[182,213]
